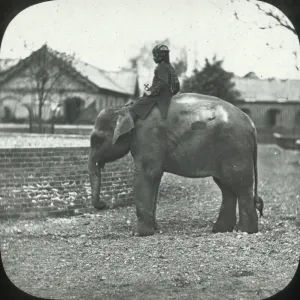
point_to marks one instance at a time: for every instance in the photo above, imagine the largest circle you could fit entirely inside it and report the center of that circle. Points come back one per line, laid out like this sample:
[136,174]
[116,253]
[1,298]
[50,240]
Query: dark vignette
[11,8]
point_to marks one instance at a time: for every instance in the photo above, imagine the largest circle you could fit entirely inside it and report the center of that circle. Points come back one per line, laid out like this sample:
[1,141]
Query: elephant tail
[259,204]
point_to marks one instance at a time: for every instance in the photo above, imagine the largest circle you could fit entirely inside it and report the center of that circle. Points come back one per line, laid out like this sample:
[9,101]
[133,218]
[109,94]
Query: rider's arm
[161,78]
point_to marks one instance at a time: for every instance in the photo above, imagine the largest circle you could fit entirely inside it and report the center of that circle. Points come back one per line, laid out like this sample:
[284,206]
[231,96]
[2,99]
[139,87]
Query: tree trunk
[30,122]
[52,127]
[40,117]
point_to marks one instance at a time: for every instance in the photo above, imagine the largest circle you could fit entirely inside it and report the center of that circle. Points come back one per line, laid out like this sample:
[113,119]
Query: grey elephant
[202,136]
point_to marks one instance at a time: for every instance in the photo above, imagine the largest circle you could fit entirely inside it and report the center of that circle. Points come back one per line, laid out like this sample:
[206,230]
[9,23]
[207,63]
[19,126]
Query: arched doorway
[72,109]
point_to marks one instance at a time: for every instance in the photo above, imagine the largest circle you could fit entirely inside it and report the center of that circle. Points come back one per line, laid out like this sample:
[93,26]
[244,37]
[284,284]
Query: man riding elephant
[165,84]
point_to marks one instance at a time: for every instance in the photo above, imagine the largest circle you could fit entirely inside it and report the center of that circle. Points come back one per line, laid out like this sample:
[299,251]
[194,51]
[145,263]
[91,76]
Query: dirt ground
[93,256]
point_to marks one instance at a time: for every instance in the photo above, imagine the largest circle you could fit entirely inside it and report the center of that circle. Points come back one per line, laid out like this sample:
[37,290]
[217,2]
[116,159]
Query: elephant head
[109,141]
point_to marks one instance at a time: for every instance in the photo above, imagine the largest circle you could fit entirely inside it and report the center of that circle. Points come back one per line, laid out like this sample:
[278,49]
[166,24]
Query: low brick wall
[46,128]
[54,181]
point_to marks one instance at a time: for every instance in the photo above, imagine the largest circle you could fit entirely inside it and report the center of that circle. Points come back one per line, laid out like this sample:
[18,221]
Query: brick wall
[46,128]
[54,181]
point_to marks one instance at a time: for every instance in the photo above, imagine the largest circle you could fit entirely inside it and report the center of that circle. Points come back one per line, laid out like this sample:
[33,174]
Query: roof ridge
[267,79]
[12,69]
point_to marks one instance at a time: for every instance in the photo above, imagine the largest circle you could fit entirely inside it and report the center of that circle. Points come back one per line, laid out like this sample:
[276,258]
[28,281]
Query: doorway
[72,109]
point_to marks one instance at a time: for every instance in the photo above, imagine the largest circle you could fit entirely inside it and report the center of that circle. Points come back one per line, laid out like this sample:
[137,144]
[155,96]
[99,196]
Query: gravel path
[93,256]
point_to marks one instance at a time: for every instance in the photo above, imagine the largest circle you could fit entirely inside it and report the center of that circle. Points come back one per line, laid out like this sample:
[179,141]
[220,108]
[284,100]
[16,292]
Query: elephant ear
[124,124]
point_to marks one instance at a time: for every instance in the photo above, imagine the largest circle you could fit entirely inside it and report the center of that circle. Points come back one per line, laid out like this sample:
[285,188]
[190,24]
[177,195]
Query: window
[121,101]
[98,104]
[111,101]
[272,117]
[297,119]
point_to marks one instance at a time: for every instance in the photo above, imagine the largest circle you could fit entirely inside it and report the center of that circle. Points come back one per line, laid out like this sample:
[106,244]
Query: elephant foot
[100,205]
[220,226]
[143,230]
[249,227]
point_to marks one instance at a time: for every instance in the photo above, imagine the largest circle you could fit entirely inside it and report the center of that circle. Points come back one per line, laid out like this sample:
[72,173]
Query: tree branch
[269,14]
[279,23]
[51,86]
[277,18]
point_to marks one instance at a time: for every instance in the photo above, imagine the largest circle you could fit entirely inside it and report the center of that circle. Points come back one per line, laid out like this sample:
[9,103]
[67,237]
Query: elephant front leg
[227,216]
[145,192]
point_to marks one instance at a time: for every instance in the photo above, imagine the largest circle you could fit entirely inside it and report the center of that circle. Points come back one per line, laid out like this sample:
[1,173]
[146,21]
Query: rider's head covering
[160,47]
[161,53]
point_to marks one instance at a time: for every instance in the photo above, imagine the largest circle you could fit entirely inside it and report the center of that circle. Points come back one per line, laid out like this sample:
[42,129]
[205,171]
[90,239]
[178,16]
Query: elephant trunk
[95,180]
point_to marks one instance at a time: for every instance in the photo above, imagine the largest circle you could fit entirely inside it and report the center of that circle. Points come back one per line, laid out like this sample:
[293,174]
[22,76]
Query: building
[82,90]
[273,104]
[73,90]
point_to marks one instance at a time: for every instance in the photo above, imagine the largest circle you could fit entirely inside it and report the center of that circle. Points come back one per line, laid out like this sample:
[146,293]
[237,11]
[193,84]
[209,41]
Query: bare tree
[276,19]
[46,69]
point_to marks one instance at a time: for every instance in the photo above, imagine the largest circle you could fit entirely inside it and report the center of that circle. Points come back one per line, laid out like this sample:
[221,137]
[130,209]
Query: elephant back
[191,107]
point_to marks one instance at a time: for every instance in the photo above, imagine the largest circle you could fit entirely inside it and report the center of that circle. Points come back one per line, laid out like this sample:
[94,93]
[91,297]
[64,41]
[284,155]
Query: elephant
[202,136]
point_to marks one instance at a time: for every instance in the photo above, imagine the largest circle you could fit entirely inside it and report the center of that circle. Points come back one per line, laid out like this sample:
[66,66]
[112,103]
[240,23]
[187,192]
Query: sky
[107,33]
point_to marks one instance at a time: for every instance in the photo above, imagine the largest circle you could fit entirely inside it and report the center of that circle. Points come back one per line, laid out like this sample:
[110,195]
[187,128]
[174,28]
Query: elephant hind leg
[227,217]
[236,171]
[248,219]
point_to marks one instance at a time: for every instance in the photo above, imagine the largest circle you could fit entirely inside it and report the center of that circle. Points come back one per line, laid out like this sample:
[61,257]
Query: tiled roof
[98,77]
[268,89]
[127,79]
[123,81]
